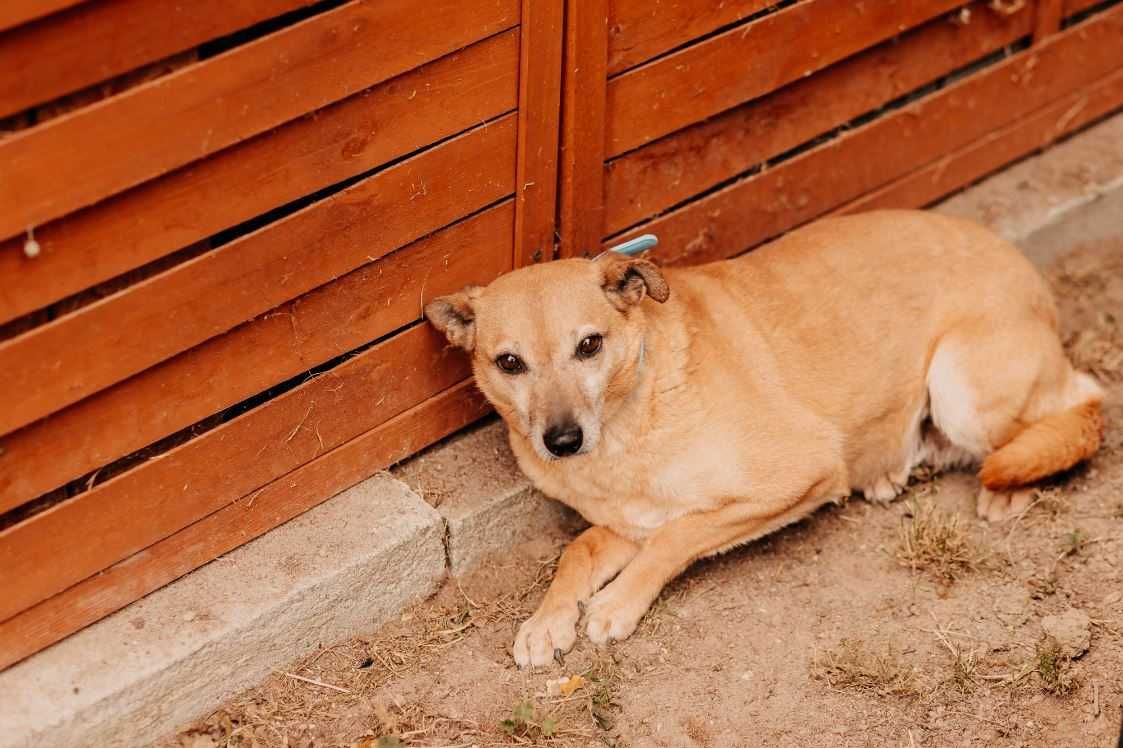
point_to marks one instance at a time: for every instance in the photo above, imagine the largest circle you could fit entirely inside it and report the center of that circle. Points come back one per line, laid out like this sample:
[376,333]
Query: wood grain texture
[749,61]
[239,522]
[338,142]
[642,29]
[340,316]
[75,160]
[536,182]
[671,170]
[67,543]
[822,179]
[16,12]
[581,197]
[97,41]
[996,149]
[57,364]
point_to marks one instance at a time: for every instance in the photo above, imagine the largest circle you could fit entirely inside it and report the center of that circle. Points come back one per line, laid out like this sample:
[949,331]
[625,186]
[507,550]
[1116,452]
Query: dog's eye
[510,363]
[590,346]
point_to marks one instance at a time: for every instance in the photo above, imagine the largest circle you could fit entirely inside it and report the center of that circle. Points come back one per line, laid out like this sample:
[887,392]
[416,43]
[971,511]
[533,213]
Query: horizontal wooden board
[759,207]
[238,522]
[340,141]
[640,29]
[340,316]
[65,544]
[63,361]
[669,171]
[77,159]
[1072,7]
[996,149]
[16,12]
[749,61]
[96,41]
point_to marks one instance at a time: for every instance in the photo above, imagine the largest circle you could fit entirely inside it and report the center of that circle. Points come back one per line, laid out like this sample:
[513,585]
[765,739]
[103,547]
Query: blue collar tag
[632,247]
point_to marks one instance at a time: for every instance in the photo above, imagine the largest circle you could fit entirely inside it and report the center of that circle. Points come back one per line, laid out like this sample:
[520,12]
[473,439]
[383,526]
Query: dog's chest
[635,494]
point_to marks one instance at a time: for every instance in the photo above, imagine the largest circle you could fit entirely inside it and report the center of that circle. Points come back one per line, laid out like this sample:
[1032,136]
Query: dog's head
[556,347]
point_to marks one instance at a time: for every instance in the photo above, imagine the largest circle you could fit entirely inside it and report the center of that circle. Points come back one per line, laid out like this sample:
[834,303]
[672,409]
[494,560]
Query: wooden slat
[990,153]
[63,545]
[338,142]
[63,361]
[237,523]
[748,61]
[824,178]
[1047,18]
[16,12]
[1072,7]
[536,182]
[642,29]
[96,41]
[671,170]
[581,198]
[72,161]
[364,305]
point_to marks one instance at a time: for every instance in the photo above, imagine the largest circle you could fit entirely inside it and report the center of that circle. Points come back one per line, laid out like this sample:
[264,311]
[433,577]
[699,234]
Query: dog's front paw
[543,634]
[612,617]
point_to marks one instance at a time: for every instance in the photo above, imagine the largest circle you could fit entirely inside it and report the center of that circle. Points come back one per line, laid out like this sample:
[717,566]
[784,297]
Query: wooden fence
[219,221]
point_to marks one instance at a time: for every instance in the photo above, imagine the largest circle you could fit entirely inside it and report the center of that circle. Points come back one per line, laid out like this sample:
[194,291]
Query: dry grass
[852,667]
[935,543]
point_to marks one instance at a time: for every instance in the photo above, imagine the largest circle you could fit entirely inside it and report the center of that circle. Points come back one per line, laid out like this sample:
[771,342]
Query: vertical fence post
[585,86]
[1047,19]
[536,173]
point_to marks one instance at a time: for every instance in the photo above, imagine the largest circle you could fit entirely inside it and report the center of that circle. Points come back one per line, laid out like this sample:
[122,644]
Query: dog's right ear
[455,316]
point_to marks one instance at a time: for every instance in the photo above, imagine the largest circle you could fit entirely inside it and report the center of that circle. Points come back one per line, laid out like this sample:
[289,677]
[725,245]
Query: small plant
[526,722]
[963,670]
[1074,542]
[851,666]
[934,542]
[604,684]
[1054,668]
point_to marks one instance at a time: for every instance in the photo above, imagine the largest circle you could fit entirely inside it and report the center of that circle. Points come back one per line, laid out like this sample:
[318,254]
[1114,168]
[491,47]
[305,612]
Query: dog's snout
[563,439]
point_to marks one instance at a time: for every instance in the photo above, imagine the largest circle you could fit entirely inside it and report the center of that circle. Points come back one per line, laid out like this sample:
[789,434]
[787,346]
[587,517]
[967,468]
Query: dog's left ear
[455,316]
[627,279]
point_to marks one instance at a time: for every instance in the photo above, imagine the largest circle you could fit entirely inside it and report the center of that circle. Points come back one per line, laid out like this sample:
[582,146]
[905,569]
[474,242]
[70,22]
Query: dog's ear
[455,316]
[627,279]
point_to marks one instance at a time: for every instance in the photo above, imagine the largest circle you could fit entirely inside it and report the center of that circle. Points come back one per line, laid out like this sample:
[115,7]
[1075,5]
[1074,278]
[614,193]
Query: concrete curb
[342,568]
[354,562]
[489,505]
[1038,203]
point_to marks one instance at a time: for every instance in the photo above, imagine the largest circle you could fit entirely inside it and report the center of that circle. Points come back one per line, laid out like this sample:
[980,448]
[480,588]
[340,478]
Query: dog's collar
[632,247]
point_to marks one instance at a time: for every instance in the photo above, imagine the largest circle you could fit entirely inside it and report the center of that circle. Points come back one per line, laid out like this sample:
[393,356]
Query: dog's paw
[544,634]
[887,487]
[610,617]
[996,506]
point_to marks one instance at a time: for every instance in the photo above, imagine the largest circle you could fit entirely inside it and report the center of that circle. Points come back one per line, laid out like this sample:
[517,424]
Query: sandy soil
[911,624]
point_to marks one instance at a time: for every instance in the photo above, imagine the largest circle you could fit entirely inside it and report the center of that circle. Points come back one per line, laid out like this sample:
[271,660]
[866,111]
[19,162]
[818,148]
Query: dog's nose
[564,439]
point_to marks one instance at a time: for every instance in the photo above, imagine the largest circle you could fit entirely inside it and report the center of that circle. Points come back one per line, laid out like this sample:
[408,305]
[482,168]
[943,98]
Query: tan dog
[688,411]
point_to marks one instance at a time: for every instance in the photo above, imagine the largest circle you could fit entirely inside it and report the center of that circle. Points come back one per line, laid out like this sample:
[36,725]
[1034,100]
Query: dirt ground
[910,624]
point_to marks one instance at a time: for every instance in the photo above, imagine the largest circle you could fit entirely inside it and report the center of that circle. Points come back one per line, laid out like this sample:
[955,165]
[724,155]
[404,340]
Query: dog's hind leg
[593,558]
[1004,393]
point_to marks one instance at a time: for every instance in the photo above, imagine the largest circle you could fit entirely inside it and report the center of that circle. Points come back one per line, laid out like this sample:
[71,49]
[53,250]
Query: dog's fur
[731,399]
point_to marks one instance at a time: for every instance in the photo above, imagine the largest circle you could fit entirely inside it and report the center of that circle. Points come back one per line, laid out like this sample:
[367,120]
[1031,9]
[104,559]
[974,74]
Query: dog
[686,411]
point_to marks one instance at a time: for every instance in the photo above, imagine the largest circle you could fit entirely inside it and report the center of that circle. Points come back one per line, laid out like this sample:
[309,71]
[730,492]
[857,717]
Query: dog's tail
[1046,447]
